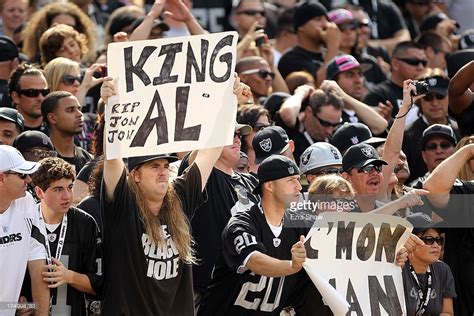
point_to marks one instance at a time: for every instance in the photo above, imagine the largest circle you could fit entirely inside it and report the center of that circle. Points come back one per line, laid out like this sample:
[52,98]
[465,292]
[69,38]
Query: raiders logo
[276,242]
[305,157]
[335,153]
[368,152]
[52,237]
[432,82]
[291,170]
[266,144]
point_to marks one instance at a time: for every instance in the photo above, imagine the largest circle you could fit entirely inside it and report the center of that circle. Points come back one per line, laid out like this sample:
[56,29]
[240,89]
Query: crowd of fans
[364,101]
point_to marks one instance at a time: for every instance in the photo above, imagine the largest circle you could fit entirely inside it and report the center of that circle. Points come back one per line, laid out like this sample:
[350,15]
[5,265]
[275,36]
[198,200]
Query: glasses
[326,171]
[368,169]
[259,127]
[429,240]
[434,146]
[41,153]
[22,176]
[261,72]
[69,80]
[432,96]
[348,26]
[34,93]
[413,61]
[238,135]
[326,123]
[252,12]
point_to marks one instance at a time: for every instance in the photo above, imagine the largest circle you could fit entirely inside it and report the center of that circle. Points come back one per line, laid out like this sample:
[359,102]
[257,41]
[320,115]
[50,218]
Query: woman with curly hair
[57,13]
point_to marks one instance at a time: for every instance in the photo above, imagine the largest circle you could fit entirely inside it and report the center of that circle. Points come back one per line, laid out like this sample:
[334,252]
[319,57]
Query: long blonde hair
[171,214]
[466,172]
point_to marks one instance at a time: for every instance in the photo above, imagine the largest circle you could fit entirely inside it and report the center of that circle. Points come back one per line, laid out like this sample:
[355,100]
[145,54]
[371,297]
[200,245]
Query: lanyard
[424,297]
[62,236]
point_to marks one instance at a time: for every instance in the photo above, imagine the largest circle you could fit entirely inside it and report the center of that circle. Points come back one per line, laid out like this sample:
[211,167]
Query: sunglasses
[348,26]
[429,240]
[434,146]
[259,127]
[326,123]
[41,153]
[238,135]
[368,169]
[413,61]
[22,176]
[432,96]
[69,80]
[260,72]
[252,12]
[34,93]
[323,172]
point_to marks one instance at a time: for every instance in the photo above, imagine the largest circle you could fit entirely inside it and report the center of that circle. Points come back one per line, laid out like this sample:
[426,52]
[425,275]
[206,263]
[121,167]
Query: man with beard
[28,87]
[62,112]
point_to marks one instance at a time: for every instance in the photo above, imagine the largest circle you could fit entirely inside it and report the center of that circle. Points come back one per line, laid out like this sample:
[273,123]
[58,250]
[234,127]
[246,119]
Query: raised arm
[143,30]
[460,96]
[290,108]
[177,10]
[441,180]
[266,51]
[40,290]
[113,168]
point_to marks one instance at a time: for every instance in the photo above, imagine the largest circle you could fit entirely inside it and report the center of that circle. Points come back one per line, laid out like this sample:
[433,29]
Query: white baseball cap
[12,160]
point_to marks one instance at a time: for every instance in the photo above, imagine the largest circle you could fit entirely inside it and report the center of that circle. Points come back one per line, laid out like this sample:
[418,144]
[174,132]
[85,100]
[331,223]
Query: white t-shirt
[21,240]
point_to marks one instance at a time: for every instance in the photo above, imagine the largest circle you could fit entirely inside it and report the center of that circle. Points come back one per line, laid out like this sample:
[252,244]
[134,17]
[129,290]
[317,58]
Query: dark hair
[95,179]
[320,98]
[433,40]
[285,21]
[52,169]
[402,47]
[249,114]
[50,102]
[20,71]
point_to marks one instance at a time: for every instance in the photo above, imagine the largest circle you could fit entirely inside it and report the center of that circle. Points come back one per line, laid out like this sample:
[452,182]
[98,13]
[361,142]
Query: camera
[421,87]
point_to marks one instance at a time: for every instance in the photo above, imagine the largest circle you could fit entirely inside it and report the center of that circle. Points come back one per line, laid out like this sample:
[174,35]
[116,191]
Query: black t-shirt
[235,290]
[298,59]
[227,196]
[140,277]
[442,287]
[466,120]
[80,158]
[412,147]
[459,247]
[82,254]
[384,91]
[91,206]
[43,128]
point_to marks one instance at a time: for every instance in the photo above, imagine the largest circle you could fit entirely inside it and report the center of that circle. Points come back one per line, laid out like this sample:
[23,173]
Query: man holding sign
[147,240]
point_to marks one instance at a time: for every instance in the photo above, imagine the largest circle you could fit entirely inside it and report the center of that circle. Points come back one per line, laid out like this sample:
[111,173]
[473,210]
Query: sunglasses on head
[434,146]
[369,168]
[252,12]
[262,73]
[42,153]
[432,95]
[429,240]
[22,176]
[69,80]
[325,171]
[413,61]
[33,93]
[326,123]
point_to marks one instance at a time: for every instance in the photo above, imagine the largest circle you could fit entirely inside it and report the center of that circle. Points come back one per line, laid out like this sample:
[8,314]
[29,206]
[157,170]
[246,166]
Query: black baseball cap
[432,20]
[457,60]
[343,63]
[12,115]
[32,139]
[349,134]
[273,168]
[422,222]
[361,155]
[441,130]
[272,140]
[437,84]
[135,162]
[8,48]
[306,11]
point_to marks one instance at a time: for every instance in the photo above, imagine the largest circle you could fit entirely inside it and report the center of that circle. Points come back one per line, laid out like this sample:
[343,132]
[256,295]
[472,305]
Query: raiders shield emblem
[266,144]
[368,152]
[276,242]
[335,153]
[305,157]
[432,82]
[52,237]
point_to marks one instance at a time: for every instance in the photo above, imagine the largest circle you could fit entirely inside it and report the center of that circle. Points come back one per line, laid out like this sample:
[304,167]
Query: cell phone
[260,40]
[103,71]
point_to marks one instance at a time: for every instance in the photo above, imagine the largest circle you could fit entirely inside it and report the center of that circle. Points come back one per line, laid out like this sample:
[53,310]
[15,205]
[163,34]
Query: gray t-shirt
[443,287]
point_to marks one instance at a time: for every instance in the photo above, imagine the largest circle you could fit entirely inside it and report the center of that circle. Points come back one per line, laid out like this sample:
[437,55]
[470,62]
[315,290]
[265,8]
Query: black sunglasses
[429,240]
[238,134]
[262,73]
[33,93]
[325,171]
[69,80]
[369,168]
[434,146]
[252,12]
[413,61]
[431,96]
[22,176]
[42,153]
[326,123]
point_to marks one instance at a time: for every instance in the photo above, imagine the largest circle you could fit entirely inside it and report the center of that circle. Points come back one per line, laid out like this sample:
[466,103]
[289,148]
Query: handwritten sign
[351,261]
[172,95]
